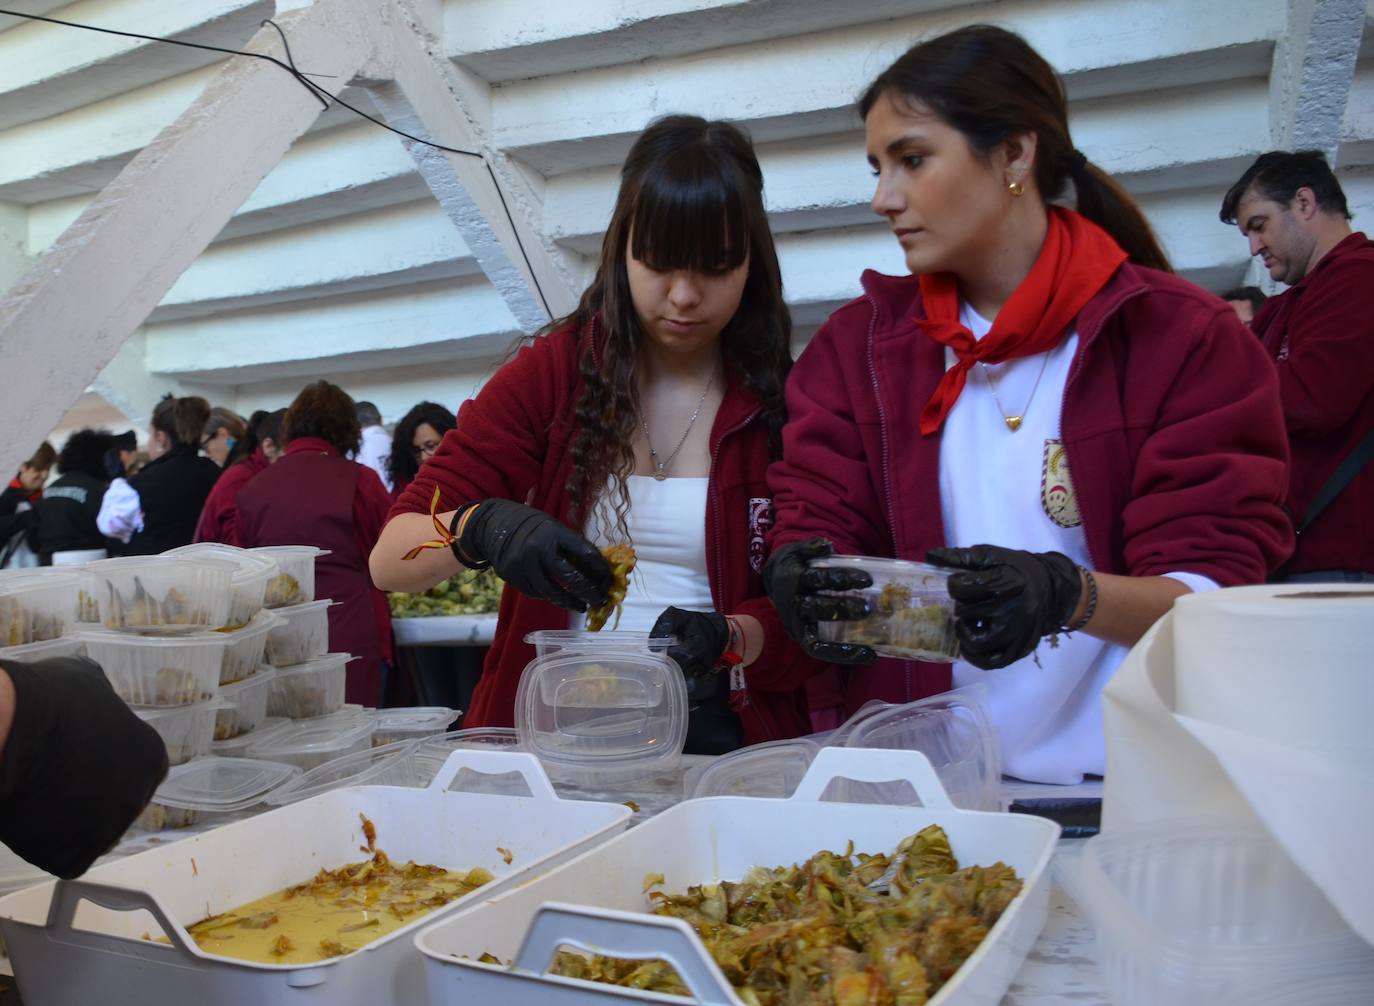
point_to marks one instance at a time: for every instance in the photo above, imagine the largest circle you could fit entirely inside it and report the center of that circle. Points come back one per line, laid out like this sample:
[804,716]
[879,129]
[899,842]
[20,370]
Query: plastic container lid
[413,721]
[912,613]
[67,646]
[550,641]
[222,785]
[502,738]
[772,769]
[617,713]
[388,765]
[952,731]
[319,739]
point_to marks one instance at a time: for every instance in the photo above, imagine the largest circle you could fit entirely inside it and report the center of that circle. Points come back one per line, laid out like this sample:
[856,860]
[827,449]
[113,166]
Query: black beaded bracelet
[1092,602]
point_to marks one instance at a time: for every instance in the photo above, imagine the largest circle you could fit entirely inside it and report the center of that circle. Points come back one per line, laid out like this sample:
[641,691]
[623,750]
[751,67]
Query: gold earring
[1016,189]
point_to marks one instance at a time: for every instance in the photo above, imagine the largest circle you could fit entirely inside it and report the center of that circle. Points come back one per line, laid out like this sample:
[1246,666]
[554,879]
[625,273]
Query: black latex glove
[1005,600]
[794,588]
[712,727]
[78,766]
[537,555]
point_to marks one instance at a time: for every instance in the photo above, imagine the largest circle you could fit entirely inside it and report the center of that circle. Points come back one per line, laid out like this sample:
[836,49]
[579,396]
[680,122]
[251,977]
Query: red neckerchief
[1077,260]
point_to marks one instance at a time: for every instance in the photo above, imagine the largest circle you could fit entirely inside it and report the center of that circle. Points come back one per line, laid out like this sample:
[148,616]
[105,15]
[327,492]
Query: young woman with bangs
[648,416]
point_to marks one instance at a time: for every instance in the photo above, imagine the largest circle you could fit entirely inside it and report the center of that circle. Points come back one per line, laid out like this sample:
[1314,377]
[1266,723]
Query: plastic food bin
[157,670]
[295,579]
[82,941]
[314,742]
[35,606]
[212,787]
[301,634]
[912,612]
[315,688]
[411,723]
[67,646]
[186,730]
[245,706]
[247,586]
[1188,912]
[247,647]
[158,594]
[597,900]
[597,716]
[953,732]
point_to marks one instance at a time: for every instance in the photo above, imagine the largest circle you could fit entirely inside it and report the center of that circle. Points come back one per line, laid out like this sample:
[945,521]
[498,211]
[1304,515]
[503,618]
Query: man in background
[1321,334]
[375,447]
[1246,301]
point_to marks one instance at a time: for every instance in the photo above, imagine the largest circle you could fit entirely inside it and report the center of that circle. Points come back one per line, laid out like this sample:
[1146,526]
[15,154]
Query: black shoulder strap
[1343,475]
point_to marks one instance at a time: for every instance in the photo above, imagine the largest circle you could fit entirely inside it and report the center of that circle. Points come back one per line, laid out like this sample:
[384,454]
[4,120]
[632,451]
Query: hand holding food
[797,591]
[536,554]
[1007,599]
[78,765]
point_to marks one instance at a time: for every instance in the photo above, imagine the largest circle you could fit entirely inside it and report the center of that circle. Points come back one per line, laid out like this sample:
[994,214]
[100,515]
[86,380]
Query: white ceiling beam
[1314,66]
[70,314]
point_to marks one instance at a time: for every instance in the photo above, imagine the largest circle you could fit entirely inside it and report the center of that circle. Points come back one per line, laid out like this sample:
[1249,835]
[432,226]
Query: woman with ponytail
[1076,434]
[171,488]
[650,416]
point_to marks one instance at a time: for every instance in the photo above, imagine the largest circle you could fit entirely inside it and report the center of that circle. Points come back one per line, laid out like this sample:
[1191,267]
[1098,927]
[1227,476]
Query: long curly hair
[691,197]
[403,466]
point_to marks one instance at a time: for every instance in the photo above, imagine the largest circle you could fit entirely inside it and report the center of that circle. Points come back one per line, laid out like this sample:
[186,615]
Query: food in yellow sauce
[337,912]
[622,560]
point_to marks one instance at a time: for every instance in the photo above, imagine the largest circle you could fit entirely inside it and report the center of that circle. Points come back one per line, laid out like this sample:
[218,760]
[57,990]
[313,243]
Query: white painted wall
[343,264]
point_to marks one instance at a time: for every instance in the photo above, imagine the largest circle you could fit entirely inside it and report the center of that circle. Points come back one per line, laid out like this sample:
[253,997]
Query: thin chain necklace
[1014,422]
[661,467]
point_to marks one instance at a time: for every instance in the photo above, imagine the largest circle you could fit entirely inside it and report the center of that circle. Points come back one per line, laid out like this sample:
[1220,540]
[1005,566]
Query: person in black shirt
[67,510]
[173,485]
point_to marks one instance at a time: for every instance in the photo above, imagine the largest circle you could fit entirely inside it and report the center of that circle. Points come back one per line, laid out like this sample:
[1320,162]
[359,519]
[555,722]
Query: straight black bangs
[691,212]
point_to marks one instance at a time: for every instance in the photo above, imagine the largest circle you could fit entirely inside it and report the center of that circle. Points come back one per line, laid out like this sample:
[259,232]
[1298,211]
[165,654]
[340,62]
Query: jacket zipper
[887,455]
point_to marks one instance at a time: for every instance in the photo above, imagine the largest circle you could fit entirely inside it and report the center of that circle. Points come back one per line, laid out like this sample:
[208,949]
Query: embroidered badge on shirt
[760,521]
[1057,494]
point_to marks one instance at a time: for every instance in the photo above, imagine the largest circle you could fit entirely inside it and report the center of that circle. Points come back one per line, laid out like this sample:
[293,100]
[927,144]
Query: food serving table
[445,630]
[1059,971]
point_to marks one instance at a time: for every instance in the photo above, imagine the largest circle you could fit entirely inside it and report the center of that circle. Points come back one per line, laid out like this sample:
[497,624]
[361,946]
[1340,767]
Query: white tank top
[667,523]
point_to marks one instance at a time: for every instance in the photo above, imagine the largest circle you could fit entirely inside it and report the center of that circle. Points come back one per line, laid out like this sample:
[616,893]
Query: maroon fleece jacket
[1321,335]
[1170,421]
[513,442]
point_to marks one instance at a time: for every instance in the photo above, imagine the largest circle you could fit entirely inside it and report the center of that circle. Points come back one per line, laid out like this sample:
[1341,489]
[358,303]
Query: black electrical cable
[324,97]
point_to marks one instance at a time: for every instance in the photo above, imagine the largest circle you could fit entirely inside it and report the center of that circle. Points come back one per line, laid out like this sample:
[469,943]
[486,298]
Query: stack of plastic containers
[601,708]
[310,743]
[212,790]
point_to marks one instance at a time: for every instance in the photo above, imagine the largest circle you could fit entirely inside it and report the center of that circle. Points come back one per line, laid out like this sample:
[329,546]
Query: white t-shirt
[1014,489]
[375,452]
[667,523]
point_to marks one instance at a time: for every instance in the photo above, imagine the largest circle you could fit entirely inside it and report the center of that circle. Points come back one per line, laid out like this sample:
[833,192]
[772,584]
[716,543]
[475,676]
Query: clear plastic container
[237,747]
[547,642]
[212,787]
[912,612]
[294,582]
[313,742]
[67,646]
[431,754]
[388,765]
[247,647]
[599,716]
[186,730]
[158,594]
[315,688]
[248,585]
[1189,912]
[954,734]
[772,769]
[411,723]
[157,670]
[35,606]
[247,704]
[301,634]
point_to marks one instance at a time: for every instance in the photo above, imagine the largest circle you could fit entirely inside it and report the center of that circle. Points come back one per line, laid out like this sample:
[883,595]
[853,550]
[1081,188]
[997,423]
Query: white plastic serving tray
[596,902]
[81,941]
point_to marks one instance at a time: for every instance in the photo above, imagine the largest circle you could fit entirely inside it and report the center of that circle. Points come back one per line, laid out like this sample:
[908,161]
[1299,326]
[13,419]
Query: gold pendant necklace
[1014,421]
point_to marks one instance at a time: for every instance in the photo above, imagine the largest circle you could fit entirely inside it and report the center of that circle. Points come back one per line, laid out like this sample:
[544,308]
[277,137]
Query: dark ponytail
[182,419]
[989,84]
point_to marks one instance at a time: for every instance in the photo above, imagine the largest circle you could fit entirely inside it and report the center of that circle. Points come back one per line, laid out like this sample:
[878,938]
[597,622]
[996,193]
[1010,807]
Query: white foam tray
[80,941]
[596,902]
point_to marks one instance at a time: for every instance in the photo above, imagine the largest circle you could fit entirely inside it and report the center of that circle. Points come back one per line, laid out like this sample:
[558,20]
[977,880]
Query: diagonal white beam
[1314,66]
[496,212]
[70,314]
